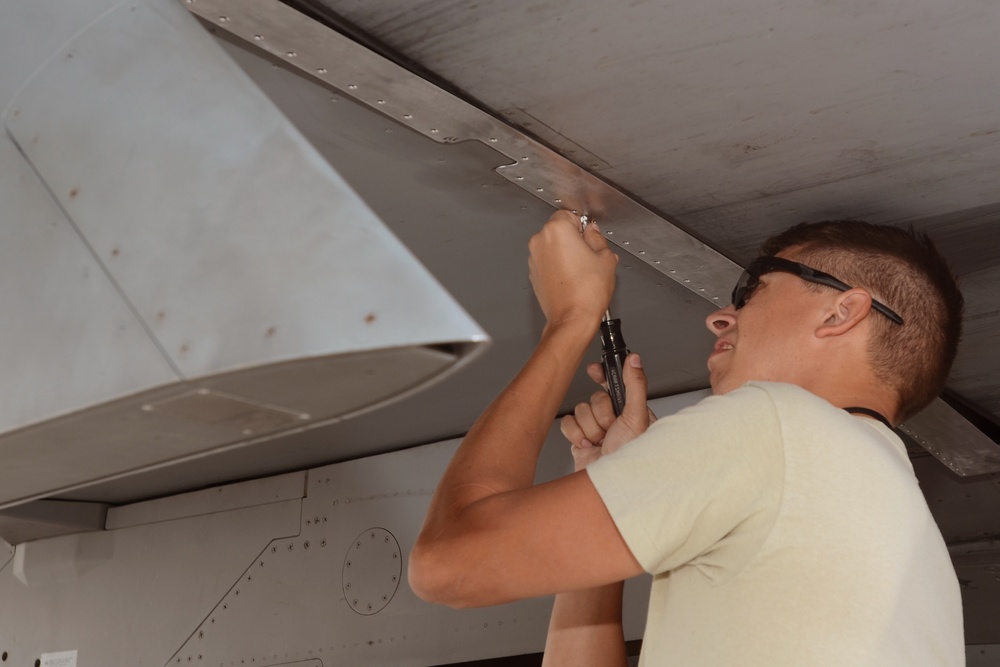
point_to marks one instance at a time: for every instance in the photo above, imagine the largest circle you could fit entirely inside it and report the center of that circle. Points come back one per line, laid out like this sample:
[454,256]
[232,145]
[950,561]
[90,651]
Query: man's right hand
[593,430]
[572,274]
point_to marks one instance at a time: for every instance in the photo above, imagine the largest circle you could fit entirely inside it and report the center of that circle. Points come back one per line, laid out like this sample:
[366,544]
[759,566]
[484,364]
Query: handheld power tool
[613,351]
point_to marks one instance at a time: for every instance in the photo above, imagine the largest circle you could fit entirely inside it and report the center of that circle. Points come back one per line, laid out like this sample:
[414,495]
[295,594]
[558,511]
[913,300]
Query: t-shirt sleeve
[700,487]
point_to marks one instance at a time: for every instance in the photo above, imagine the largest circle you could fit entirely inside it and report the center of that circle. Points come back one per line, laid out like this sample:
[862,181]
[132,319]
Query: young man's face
[768,338]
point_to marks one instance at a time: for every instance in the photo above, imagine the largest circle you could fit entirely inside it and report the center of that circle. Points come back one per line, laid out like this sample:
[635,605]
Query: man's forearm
[586,629]
[490,536]
[500,452]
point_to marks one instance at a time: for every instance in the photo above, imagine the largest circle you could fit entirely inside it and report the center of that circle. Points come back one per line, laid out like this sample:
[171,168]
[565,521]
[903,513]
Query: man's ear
[848,310]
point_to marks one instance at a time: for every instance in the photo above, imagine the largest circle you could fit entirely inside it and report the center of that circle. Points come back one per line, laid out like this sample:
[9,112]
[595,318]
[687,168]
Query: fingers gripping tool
[613,351]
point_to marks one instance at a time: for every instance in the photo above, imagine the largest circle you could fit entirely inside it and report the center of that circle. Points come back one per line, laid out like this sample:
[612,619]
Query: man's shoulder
[757,405]
[784,391]
[758,394]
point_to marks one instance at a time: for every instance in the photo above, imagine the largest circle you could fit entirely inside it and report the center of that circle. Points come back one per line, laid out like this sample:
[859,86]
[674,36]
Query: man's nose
[721,320]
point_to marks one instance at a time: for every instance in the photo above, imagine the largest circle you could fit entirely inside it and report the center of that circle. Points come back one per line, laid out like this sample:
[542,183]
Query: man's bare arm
[489,536]
[586,629]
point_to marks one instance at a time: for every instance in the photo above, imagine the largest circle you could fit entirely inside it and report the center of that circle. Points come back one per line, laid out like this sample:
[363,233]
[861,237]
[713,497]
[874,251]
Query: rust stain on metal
[74,192]
[271,331]
[369,318]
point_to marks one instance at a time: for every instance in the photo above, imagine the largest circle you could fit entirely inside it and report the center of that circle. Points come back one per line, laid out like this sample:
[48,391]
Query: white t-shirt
[781,530]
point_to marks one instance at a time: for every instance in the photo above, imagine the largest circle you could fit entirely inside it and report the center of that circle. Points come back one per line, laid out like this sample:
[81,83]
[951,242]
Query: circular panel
[372,570]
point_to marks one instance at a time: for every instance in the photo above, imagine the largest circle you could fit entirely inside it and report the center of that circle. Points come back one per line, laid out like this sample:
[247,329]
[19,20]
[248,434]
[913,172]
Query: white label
[61,659]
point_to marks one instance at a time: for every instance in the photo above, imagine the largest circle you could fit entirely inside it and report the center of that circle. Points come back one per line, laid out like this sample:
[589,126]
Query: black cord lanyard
[871,413]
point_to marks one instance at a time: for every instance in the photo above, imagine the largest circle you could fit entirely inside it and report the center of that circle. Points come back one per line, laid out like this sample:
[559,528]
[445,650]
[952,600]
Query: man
[779,517]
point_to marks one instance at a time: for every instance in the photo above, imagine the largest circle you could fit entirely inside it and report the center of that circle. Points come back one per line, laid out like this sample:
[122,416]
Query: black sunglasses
[750,280]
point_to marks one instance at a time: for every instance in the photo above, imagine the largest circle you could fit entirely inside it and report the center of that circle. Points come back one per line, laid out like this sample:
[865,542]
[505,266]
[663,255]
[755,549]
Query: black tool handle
[613,353]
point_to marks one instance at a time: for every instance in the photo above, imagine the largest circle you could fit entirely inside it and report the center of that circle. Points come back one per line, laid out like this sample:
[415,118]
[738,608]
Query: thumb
[635,413]
[595,238]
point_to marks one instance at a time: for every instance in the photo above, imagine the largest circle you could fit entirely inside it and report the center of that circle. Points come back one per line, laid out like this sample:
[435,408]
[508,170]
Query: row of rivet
[930,448]
[408,116]
[267,660]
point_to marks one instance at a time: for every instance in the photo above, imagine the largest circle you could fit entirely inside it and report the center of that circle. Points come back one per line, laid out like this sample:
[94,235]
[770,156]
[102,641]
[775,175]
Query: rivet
[381,101]
[559,201]
[223,19]
[147,408]
[258,37]
[407,116]
[656,261]
[352,86]
[520,178]
[624,242]
[494,139]
[686,280]
[291,54]
[539,189]
[434,131]
[524,158]
[321,70]
[609,232]
[642,252]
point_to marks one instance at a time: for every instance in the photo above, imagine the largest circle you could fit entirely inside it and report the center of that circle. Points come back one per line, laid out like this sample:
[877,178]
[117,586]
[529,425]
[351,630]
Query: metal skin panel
[123,438]
[50,518]
[60,302]
[129,596]
[237,244]
[31,32]
[209,278]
